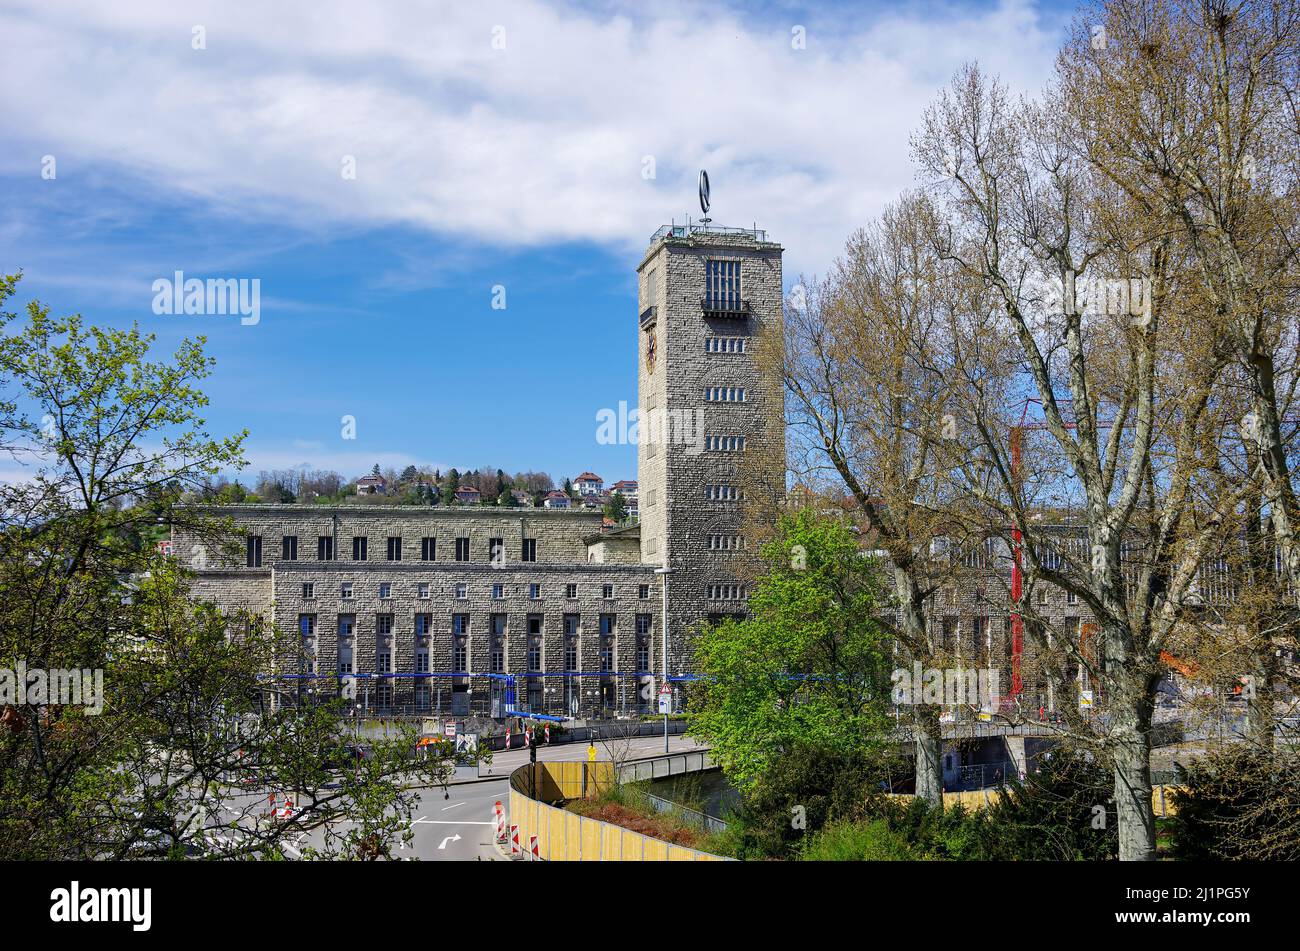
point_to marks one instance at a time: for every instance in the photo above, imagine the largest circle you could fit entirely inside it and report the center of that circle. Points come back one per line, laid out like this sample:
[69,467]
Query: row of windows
[726,592]
[348,591]
[724,443]
[460,624]
[496,551]
[724,493]
[726,542]
[725,344]
[724,394]
[460,643]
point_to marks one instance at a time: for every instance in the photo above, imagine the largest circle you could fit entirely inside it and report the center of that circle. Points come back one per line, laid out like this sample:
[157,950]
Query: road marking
[450,822]
[450,838]
[452,806]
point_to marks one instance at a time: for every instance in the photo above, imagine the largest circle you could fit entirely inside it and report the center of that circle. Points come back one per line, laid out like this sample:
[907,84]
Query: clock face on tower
[651,351]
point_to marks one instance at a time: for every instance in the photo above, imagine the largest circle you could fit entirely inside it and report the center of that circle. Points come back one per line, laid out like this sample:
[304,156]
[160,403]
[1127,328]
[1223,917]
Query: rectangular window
[498,592]
[724,394]
[428,548]
[394,548]
[308,590]
[643,591]
[949,635]
[462,549]
[460,653]
[496,551]
[722,285]
[608,624]
[306,624]
[359,543]
[571,624]
[255,551]
[570,590]
[724,443]
[289,548]
[607,591]
[422,592]
[498,654]
[422,657]
[606,653]
[345,591]
[534,591]
[462,591]
[383,624]
[385,591]
[423,624]
[460,624]
[643,653]
[571,652]
[1071,597]
[324,548]
[498,624]
[529,552]
[535,652]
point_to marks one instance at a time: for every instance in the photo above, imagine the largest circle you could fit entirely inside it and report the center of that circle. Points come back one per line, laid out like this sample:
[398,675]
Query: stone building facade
[433,608]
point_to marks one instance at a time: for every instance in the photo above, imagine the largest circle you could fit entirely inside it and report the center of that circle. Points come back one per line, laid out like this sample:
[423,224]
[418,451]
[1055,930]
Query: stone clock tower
[705,410]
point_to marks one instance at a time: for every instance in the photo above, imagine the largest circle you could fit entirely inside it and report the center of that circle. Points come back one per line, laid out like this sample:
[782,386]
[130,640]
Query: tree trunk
[1130,741]
[929,750]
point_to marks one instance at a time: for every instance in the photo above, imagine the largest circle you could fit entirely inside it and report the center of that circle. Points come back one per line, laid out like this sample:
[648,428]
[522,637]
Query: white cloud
[542,141]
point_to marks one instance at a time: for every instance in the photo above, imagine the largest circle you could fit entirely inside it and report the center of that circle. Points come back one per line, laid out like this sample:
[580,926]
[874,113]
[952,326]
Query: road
[458,825]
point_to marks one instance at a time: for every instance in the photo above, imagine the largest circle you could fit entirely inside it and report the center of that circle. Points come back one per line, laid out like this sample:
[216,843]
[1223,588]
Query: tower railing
[690,228]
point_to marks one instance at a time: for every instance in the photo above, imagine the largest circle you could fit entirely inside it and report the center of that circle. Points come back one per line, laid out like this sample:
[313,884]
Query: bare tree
[1129,396]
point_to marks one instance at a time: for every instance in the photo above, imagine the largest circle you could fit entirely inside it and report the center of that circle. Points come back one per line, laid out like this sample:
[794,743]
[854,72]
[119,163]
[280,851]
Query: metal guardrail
[662,767]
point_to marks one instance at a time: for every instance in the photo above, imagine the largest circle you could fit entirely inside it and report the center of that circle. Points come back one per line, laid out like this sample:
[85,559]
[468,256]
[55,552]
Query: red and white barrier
[532,848]
[507,737]
[287,811]
[501,822]
[514,839]
[548,733]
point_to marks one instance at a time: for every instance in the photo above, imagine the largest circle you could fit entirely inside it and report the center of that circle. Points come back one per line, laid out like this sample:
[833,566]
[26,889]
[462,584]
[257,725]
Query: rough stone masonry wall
[276,591]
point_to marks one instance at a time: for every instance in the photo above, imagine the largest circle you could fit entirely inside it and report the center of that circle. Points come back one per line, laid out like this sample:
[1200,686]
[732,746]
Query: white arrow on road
[450,838]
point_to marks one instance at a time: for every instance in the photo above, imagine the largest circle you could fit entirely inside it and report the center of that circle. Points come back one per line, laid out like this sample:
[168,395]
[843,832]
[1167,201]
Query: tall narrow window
[394,548]
[462,549]
[255,551]
[529,552]
[722,285]
[325,548]
[428,548]
[289,548]
[359,543]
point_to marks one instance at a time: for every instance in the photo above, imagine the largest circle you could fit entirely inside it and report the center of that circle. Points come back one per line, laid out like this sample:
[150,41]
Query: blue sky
[531,146]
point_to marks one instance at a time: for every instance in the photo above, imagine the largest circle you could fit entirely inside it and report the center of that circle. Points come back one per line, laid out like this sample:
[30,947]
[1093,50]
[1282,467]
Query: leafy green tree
[410,474]
[809,664]
[450,486]
[507,498]
[617,507]
[186,721]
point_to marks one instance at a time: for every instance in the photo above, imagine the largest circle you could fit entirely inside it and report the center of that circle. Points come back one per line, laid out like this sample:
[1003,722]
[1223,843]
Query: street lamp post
[663,574]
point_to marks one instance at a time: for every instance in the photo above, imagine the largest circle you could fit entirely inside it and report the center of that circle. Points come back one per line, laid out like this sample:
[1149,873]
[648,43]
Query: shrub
[1239,802]
[869,841]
